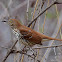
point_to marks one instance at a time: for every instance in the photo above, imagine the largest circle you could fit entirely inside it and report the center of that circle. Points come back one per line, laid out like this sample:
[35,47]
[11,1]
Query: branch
[14,51]
[48,47]
[21,52]
[8,53]
[43,2]
[57,29]
[53,3]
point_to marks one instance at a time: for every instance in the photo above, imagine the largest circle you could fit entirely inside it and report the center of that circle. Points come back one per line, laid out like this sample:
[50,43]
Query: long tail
[50,38]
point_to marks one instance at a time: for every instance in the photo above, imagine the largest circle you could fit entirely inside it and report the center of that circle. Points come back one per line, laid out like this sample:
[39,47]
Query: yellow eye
[10,22]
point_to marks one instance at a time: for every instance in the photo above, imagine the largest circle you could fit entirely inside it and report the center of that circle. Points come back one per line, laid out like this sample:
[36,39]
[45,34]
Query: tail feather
[50,38]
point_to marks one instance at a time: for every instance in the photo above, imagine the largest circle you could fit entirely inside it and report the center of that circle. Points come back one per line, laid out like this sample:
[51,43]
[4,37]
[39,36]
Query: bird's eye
[10,23]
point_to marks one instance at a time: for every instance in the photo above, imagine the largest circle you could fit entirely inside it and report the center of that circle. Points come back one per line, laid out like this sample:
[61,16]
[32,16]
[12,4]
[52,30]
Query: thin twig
[22,58]
[8,53]
[57,29]
[34,13]
[48,47]
[27,8]
[45,18]
[21,52]
[53,3]
[43,2]
[37,55]
[57,19]
[35,9]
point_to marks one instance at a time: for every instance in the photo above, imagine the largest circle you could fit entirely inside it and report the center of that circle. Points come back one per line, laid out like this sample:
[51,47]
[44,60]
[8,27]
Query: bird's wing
[26,32]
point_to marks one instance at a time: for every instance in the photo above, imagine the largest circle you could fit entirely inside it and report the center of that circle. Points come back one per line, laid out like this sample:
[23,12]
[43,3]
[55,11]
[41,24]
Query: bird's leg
[24,49]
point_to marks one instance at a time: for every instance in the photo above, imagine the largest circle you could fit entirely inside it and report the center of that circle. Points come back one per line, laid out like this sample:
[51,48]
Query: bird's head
[13,23]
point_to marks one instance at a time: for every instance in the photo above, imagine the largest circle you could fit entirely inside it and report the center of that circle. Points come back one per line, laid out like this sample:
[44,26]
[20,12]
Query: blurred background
[48,23]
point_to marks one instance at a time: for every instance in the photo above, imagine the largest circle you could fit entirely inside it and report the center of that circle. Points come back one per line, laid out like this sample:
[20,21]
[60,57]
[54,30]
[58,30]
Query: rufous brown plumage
[29,34]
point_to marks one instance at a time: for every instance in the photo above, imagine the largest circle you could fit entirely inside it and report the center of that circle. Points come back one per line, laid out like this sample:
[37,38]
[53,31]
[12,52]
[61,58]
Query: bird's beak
[4,21]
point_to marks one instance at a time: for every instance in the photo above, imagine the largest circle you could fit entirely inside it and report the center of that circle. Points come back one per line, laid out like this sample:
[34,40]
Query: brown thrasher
[29,34]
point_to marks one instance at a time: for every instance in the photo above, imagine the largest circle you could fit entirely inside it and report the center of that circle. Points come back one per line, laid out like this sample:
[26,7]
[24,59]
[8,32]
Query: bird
[30,36]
